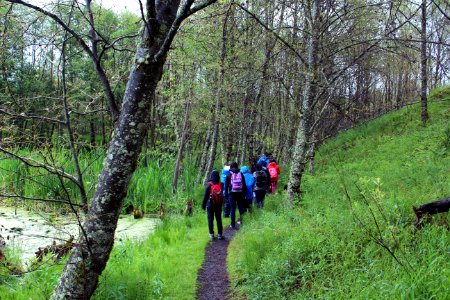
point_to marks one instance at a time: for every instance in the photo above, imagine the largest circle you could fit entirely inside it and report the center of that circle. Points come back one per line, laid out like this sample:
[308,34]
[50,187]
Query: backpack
[216,193]
[260,178]
[236,182]
[273,174]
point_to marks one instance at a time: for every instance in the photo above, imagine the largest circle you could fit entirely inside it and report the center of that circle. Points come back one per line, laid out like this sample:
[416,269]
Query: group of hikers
[239,188]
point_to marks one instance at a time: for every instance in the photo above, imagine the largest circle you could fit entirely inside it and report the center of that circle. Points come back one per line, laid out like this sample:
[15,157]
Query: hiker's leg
[259,197]
[274,186]
[226,207]
[210,211]
[218,213]
[241,205]
[233,209]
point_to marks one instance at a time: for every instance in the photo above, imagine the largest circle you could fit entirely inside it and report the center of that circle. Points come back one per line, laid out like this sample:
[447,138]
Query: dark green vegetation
[336,246]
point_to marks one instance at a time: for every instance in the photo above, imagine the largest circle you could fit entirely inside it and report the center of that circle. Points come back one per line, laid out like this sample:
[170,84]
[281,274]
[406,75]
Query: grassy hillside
[352,236]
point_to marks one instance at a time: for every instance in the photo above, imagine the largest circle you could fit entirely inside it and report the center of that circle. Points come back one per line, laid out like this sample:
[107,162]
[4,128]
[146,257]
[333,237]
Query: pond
[27,231]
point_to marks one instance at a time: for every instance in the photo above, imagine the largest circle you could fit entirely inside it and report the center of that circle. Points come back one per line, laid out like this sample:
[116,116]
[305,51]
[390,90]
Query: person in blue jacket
[226,202]
[250,184]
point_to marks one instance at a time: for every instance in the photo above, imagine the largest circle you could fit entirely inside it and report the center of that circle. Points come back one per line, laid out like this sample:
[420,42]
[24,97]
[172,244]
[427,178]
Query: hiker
[226,202]
[263,160]
[249,183]
[212,202]
[253,163]
[236,189]
[274,171]
[261,183]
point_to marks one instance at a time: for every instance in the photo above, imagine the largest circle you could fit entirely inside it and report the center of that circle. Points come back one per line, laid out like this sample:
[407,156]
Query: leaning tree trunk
[91,252]
[303,133]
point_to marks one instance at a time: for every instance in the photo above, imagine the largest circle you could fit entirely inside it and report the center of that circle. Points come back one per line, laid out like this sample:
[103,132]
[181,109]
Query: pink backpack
[236,182]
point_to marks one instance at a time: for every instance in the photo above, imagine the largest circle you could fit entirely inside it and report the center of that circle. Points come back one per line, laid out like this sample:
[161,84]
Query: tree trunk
[424,71]
[92,134]
[90,254]
[184,134]
[301,143]
[216,119]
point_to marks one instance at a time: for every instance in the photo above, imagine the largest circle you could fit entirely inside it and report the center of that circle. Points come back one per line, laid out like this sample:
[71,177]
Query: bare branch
[39,199]
[23,116]
[36,164]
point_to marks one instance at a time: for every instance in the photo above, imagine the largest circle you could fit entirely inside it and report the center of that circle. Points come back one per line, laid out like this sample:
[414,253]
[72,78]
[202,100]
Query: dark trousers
[248,205]
[226,207]
[214,210]
[236,199]
[259,198]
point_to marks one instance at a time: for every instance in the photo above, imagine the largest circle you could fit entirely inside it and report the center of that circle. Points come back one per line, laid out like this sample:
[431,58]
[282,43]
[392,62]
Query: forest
[110,113]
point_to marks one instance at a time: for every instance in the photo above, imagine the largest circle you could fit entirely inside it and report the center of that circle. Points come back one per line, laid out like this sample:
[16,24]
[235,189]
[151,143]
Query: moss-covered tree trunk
[303,132]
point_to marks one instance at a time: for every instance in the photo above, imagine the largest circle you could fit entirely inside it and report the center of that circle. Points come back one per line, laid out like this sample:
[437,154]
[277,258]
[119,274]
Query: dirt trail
[212,278]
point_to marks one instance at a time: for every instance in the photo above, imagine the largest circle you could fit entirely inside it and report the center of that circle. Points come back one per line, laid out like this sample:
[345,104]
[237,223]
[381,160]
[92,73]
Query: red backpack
[216,193]
[273,174]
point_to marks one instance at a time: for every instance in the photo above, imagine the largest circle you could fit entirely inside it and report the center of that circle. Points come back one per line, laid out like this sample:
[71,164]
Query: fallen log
[431,208]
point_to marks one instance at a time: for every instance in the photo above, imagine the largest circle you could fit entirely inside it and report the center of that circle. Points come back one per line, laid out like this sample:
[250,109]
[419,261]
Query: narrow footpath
[212,280]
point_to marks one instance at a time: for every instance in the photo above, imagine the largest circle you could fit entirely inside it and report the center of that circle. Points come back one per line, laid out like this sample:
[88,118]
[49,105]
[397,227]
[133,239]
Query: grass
[164,266]
[335,247]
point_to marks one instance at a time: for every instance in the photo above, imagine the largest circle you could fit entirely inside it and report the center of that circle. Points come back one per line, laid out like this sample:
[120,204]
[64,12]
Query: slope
[352,234]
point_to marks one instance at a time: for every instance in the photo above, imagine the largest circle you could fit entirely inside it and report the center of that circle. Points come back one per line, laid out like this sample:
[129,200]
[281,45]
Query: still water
[27,231]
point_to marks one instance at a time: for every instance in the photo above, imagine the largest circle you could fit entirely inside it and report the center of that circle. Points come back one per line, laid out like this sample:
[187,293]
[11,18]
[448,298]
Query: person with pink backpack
[235,192]
[274,171]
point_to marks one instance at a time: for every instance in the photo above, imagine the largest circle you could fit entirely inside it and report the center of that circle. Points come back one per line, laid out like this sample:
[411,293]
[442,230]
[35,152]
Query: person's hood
[235,170]
[272,164]
[244,169]
[226,170]
[215,177]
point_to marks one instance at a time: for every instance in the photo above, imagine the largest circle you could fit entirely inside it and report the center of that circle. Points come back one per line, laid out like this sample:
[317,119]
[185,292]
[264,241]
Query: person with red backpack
[236,190]
[212,202]
[274,171]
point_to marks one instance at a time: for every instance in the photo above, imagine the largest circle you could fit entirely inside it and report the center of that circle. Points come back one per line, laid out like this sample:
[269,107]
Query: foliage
[333,247]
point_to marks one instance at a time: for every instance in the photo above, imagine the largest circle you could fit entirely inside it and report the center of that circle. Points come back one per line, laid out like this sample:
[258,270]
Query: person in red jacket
[274,171]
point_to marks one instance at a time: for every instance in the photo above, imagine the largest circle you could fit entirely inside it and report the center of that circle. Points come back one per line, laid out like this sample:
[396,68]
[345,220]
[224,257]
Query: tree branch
[36,164]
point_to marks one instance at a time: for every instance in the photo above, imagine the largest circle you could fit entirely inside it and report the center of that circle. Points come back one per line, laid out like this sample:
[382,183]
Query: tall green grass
[336,247]
[150,185]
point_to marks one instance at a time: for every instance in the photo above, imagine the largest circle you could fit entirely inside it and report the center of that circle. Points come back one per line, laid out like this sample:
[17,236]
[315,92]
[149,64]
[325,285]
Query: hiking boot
[220,237]
[233,226]
[211,236]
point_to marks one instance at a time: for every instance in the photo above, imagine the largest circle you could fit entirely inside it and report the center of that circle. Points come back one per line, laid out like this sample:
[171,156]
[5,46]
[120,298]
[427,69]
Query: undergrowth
[352,236]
